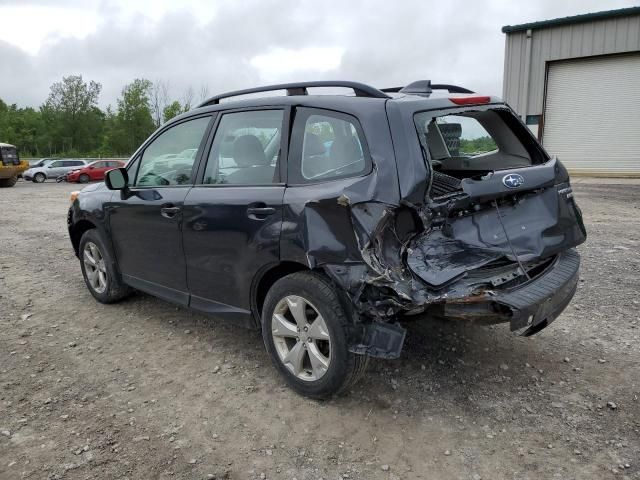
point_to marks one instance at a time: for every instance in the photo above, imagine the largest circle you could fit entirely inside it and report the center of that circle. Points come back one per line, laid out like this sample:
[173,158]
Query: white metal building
[576,83]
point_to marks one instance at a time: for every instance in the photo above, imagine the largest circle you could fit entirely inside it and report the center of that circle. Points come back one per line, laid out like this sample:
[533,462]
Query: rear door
[233,216]
[146,220]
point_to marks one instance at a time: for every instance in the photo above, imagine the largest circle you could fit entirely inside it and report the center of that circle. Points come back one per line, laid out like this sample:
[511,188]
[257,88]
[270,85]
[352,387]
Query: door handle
[169,211]
[257,212]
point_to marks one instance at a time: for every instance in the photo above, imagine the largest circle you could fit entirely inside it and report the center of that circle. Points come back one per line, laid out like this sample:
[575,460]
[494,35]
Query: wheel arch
[266,279]
[77,230]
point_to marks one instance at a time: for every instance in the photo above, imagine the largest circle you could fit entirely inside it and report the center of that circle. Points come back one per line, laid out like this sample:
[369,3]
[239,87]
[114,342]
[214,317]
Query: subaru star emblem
[513,180]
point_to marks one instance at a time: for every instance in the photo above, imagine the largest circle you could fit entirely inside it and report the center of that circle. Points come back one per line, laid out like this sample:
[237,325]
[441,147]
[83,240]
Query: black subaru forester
[328,220]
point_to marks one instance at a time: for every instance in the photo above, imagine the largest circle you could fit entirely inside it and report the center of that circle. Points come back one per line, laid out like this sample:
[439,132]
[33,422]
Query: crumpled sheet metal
[537,225]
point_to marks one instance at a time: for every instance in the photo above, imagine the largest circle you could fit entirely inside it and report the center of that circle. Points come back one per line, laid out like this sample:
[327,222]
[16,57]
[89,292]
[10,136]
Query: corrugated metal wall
[526,95]
[592,114]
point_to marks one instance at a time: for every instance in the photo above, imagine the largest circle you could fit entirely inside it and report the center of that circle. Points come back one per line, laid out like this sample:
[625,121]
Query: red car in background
[94,171]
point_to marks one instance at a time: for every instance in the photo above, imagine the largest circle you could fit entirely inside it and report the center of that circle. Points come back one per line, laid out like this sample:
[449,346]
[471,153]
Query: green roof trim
[587,17]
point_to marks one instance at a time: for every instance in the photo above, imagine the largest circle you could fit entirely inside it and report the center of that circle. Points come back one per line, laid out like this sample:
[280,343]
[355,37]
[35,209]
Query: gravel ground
[144,389]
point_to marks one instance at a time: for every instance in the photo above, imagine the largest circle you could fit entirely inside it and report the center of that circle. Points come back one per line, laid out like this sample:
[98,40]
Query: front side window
[55,164]
[245,149]
[164,161]
[332,147]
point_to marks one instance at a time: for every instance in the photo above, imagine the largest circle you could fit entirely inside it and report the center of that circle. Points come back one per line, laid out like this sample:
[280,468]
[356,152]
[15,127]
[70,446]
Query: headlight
[73,196]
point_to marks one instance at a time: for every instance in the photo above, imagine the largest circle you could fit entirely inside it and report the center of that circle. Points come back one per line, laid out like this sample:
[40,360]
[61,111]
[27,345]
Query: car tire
[39,177]
[84,178]
[8,182]
[99,269]
[322,366]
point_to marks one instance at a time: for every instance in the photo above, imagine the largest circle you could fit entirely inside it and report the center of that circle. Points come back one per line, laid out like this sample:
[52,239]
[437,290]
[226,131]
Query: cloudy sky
[226,45]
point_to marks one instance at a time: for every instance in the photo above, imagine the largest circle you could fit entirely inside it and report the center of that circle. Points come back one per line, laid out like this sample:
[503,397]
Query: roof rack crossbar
[359,89]
[425,87]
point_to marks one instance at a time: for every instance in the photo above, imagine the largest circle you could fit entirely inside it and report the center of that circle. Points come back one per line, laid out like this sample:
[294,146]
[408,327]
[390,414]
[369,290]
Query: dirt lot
[143,389]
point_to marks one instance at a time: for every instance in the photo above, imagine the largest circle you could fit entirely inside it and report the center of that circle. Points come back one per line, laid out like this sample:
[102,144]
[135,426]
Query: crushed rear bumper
[539,302]
[528,307]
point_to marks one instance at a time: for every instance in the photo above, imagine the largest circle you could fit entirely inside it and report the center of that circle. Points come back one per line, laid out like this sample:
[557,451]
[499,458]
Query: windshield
[43,162]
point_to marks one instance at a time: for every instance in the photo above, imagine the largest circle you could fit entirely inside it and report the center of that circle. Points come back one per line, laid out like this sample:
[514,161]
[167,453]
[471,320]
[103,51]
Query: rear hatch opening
[472,143]
[496,199]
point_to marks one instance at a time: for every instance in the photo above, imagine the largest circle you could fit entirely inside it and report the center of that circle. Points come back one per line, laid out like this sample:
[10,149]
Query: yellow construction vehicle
[10,165]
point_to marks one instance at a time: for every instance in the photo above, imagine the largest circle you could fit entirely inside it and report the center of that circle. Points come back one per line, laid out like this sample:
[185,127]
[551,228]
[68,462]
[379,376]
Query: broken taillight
[475,100]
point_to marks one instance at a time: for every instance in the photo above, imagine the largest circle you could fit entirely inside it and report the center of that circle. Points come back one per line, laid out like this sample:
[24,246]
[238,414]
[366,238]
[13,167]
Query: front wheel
[98,269]
[84,178]
[39,177]
[304,328]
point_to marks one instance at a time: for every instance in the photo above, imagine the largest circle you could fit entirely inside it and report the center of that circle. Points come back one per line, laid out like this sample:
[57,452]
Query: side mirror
[116,179]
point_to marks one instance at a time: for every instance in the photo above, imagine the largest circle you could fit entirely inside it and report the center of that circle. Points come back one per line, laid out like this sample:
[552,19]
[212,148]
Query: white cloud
[228,45]
[280,63]
[29,27]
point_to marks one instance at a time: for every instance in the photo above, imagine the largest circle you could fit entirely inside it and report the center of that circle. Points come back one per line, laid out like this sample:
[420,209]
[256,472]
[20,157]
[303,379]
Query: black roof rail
[425,87]
[360,90]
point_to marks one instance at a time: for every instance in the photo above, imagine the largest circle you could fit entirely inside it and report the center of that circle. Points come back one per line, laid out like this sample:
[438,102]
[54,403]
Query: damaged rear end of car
[484,227]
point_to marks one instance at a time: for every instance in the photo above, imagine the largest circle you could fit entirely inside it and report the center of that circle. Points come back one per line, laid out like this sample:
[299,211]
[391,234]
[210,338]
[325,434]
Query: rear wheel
[99,270]
[304,328]
[39,177]
[8,182]
[84,178]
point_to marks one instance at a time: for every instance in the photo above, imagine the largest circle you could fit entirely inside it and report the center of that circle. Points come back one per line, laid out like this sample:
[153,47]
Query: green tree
[71,114]
[477,145]
[133,123]
[22,127]
[172,110]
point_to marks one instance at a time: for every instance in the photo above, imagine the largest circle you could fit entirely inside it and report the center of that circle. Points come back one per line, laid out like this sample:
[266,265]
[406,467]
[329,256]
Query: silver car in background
[53,169]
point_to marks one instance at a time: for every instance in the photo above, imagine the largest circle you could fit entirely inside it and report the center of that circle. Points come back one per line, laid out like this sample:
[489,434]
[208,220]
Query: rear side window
[326,146]
[246,149]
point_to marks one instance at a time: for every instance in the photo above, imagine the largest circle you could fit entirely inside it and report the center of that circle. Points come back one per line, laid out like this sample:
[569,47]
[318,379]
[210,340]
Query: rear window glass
[464,135]
[477,141]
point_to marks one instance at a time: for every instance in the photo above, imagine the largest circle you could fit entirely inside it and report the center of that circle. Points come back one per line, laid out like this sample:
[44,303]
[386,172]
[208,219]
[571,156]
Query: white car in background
[53,169]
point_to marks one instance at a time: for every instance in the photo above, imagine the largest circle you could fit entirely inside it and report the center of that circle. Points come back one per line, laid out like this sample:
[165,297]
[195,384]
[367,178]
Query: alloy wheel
[301,338]
[95,267]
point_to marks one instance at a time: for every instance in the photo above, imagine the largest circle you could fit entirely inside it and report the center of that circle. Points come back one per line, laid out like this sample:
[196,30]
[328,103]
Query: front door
[55,169]
[97,170]
[233,216]
[146,219]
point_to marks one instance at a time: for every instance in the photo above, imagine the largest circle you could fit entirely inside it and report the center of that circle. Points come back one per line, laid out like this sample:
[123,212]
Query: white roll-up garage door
[592,114]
